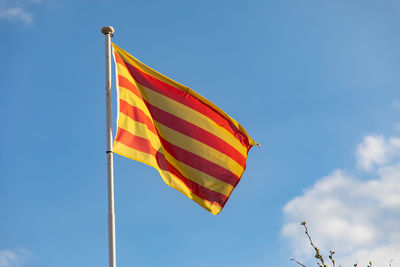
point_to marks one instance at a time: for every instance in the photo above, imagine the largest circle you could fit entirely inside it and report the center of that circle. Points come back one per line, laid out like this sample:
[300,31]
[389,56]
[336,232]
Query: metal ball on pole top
[108,31]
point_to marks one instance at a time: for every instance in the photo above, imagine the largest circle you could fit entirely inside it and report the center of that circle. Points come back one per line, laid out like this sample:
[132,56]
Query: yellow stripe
[123,71]
[134,154]
[133,100]
[136,63]
[200,149]
[199,177]
[181,111]
[139,129]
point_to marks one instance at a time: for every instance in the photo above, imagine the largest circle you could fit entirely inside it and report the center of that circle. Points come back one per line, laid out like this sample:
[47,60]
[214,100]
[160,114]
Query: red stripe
[136,114]
[133,141]
[187,100]
[200,163]
[187,128]
[124,82]
[145,146]
[118,58]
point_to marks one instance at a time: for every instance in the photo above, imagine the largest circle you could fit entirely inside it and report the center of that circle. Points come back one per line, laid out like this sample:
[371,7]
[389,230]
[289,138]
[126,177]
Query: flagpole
[108,31]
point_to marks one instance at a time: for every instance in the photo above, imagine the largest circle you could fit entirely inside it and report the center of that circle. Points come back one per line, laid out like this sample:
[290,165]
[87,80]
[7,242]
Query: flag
[196,147]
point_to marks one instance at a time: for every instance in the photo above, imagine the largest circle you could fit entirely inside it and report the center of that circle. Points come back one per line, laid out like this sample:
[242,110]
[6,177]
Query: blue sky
[315,82]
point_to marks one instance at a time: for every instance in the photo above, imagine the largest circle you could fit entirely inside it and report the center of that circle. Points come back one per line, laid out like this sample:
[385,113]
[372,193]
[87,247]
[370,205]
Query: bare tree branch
[317,254]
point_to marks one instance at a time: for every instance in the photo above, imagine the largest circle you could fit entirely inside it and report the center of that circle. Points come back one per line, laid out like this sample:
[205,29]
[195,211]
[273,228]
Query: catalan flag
[196,147]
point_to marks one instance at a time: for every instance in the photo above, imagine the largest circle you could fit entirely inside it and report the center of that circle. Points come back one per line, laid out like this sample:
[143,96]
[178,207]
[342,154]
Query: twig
[299,263]
[317,255]
[331,257]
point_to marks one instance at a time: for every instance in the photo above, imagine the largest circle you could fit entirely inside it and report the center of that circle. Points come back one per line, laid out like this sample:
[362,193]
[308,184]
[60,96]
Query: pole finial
[108,30]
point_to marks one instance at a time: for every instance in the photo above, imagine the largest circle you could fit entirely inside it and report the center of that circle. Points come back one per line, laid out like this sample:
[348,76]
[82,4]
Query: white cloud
[7,258]
[17,10]
[16,13]
[376,151]
[15,258]
[356,217]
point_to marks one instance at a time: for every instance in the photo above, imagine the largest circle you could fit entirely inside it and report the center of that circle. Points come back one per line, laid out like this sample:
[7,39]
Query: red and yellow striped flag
[195,146]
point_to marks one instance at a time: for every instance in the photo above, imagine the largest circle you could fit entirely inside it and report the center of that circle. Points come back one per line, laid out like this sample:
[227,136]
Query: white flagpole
[108,32]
